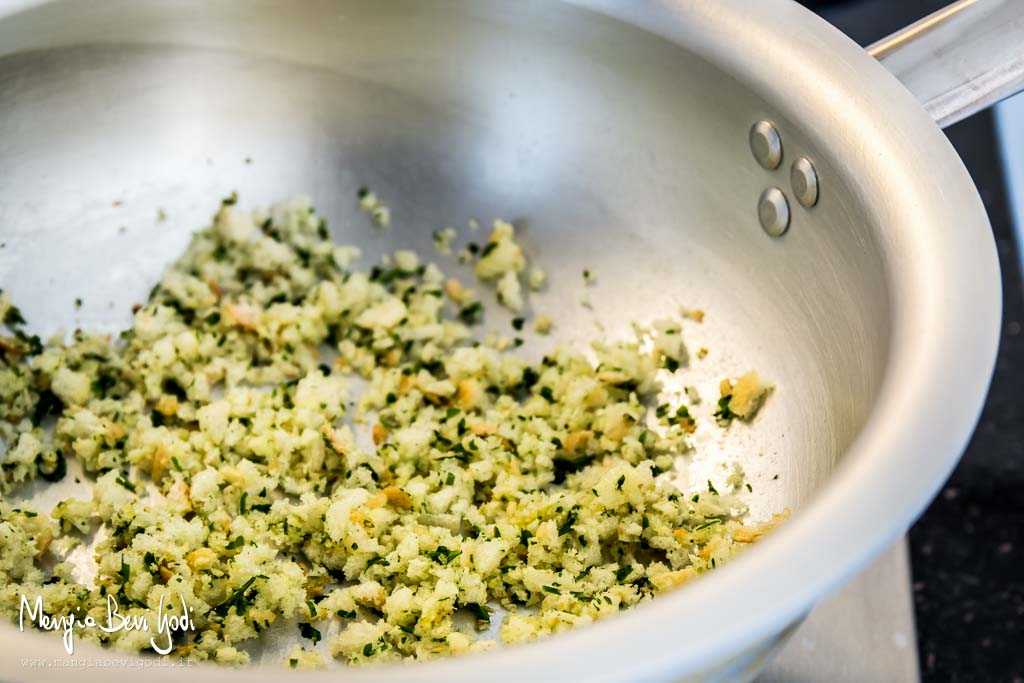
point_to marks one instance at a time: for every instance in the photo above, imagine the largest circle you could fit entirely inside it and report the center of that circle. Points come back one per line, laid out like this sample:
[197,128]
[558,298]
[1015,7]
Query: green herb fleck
[443,555]
[309,632]
[239,600]
[52,471]
[13,317]
[482,614]
[724,414]
[471,313]
[566,466]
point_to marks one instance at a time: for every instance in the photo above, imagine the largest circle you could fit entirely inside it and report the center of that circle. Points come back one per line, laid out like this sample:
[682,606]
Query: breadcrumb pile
[283,440]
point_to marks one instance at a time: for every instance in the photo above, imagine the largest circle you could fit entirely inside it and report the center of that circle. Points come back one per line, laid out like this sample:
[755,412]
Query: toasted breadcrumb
[543,324]
[537,278]
[281,437]
[371,204]
[443,240]
[694,314]
[745,396]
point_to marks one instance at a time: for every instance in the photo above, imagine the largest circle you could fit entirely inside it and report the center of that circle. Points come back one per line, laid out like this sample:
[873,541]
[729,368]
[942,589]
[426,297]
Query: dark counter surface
[967,551]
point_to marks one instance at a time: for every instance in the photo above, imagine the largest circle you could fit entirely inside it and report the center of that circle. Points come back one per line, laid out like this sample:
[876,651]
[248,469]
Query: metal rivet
[773,212]
[805,182]
[766,144]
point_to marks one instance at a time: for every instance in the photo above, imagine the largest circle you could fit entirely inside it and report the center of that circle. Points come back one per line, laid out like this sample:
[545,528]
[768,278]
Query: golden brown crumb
[483,429]
[670,580]
[113,434]
[43,541]
[467,394]
[576,440]
[397,497]
[167,405]
[335,440]
[455,291]
[201,558]
[161,462]
[378,500]
[613,377]
[240,315]
[748,393]
[749,533]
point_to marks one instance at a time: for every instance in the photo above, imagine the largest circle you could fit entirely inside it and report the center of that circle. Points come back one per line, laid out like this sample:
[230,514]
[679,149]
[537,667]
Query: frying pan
[740,156]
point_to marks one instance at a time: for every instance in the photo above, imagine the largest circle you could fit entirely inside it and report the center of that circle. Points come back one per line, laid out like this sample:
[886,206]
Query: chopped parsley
[471,313]
[308,632]
[724,414]
[443,555]
[567,466]
[240,600]
[52,471]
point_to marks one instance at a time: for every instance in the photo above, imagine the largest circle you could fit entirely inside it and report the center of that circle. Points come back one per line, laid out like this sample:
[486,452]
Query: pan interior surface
[611,150]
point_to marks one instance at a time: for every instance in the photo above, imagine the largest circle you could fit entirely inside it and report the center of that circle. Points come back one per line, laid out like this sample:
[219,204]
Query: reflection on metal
[766,145]
[773,212]
[886,45]
[804,180]
[960,59]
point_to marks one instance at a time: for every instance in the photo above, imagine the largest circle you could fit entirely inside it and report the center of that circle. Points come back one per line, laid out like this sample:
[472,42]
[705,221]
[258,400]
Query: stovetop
[864,633]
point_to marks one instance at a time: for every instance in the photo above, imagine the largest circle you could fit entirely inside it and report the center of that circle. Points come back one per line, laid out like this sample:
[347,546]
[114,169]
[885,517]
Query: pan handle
[960,59]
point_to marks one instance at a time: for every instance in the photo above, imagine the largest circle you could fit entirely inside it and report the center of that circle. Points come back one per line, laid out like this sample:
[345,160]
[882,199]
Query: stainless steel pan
[622,136]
